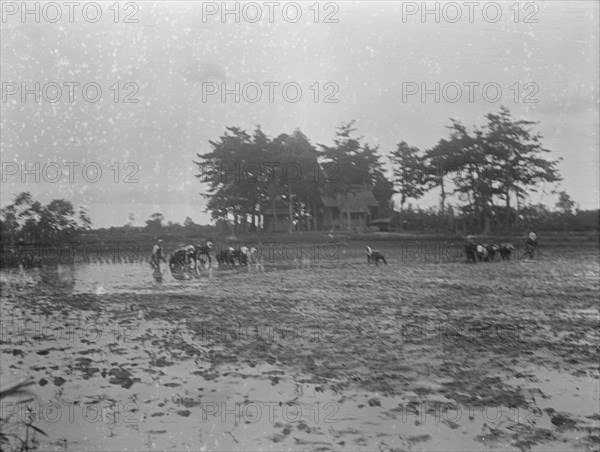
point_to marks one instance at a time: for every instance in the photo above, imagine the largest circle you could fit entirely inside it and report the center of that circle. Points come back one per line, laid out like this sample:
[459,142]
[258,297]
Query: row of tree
[482,171]
[250,174]
[29,220]
[565,216]
[483,176]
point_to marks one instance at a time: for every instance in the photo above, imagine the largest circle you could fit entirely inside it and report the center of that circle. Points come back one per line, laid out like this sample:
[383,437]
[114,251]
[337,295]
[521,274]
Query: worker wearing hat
[157,254]
[531,245]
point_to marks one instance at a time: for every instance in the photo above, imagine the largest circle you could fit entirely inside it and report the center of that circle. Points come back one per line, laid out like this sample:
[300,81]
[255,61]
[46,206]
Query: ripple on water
[98,279]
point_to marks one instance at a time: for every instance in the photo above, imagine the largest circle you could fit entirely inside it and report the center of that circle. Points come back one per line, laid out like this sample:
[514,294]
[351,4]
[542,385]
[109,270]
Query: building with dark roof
[332,214]
[361,206]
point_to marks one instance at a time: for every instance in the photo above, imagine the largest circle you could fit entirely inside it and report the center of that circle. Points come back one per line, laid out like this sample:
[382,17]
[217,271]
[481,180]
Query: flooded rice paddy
[335,357]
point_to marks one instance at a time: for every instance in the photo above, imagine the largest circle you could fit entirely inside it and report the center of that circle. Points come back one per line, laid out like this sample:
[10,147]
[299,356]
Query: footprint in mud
[277,437]
[303,427]
[161,362]
[122,377]
[527,439]
[117,350]
[561,420]
[83,365]
[361,441]
[452,425]
[374,402]
[492,436]
[418,438]
[188,402]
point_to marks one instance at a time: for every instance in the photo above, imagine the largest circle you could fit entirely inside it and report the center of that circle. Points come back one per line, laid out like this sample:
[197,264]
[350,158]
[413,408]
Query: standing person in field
[157,255]
[531,245]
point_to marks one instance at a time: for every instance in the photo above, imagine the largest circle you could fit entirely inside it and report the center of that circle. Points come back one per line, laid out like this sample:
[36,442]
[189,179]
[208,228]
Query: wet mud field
[334,355]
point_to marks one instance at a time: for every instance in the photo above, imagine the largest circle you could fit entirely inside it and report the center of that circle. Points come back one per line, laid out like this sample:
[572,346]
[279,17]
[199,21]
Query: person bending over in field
[482,253]
[253,255]
[492,250]
[506,250]
[471,251]
[375,256]
[226,257]
[202,254]
[247,255]
[181,258]
[242,255]
[475,251]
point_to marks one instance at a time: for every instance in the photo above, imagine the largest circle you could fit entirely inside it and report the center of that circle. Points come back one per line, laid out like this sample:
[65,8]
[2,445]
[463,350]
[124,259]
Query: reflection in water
[157,275]
[96,278]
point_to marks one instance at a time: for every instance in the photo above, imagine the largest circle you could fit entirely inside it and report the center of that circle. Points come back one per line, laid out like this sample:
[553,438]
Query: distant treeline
[28,220]
[533,217]
[483,176]
[63,241]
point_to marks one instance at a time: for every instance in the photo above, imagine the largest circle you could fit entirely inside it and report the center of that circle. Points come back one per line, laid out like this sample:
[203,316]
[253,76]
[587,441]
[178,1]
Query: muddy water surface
[124,363]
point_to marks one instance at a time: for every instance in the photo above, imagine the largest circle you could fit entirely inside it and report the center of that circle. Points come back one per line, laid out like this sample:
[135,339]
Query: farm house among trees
[484,177]
[339,187]
[348,212]
[332,213]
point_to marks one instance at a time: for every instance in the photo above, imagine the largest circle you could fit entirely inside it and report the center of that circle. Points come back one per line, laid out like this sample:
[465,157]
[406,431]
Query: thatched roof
[353,202]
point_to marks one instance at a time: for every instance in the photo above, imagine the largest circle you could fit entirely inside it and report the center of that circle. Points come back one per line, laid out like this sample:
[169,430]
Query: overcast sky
[374,53]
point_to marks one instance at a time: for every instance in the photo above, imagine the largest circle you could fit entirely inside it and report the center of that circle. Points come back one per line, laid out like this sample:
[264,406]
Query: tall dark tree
[254,159]
[28,219]
[355,166]
[155,223]
[476,174]
[84,219]
[33,230]
[486,166]
[565,204]
[231,190]
[188,222]
[299,175]
[383,191]
[440,163]
[247,174]
[519,156]
[408,173]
